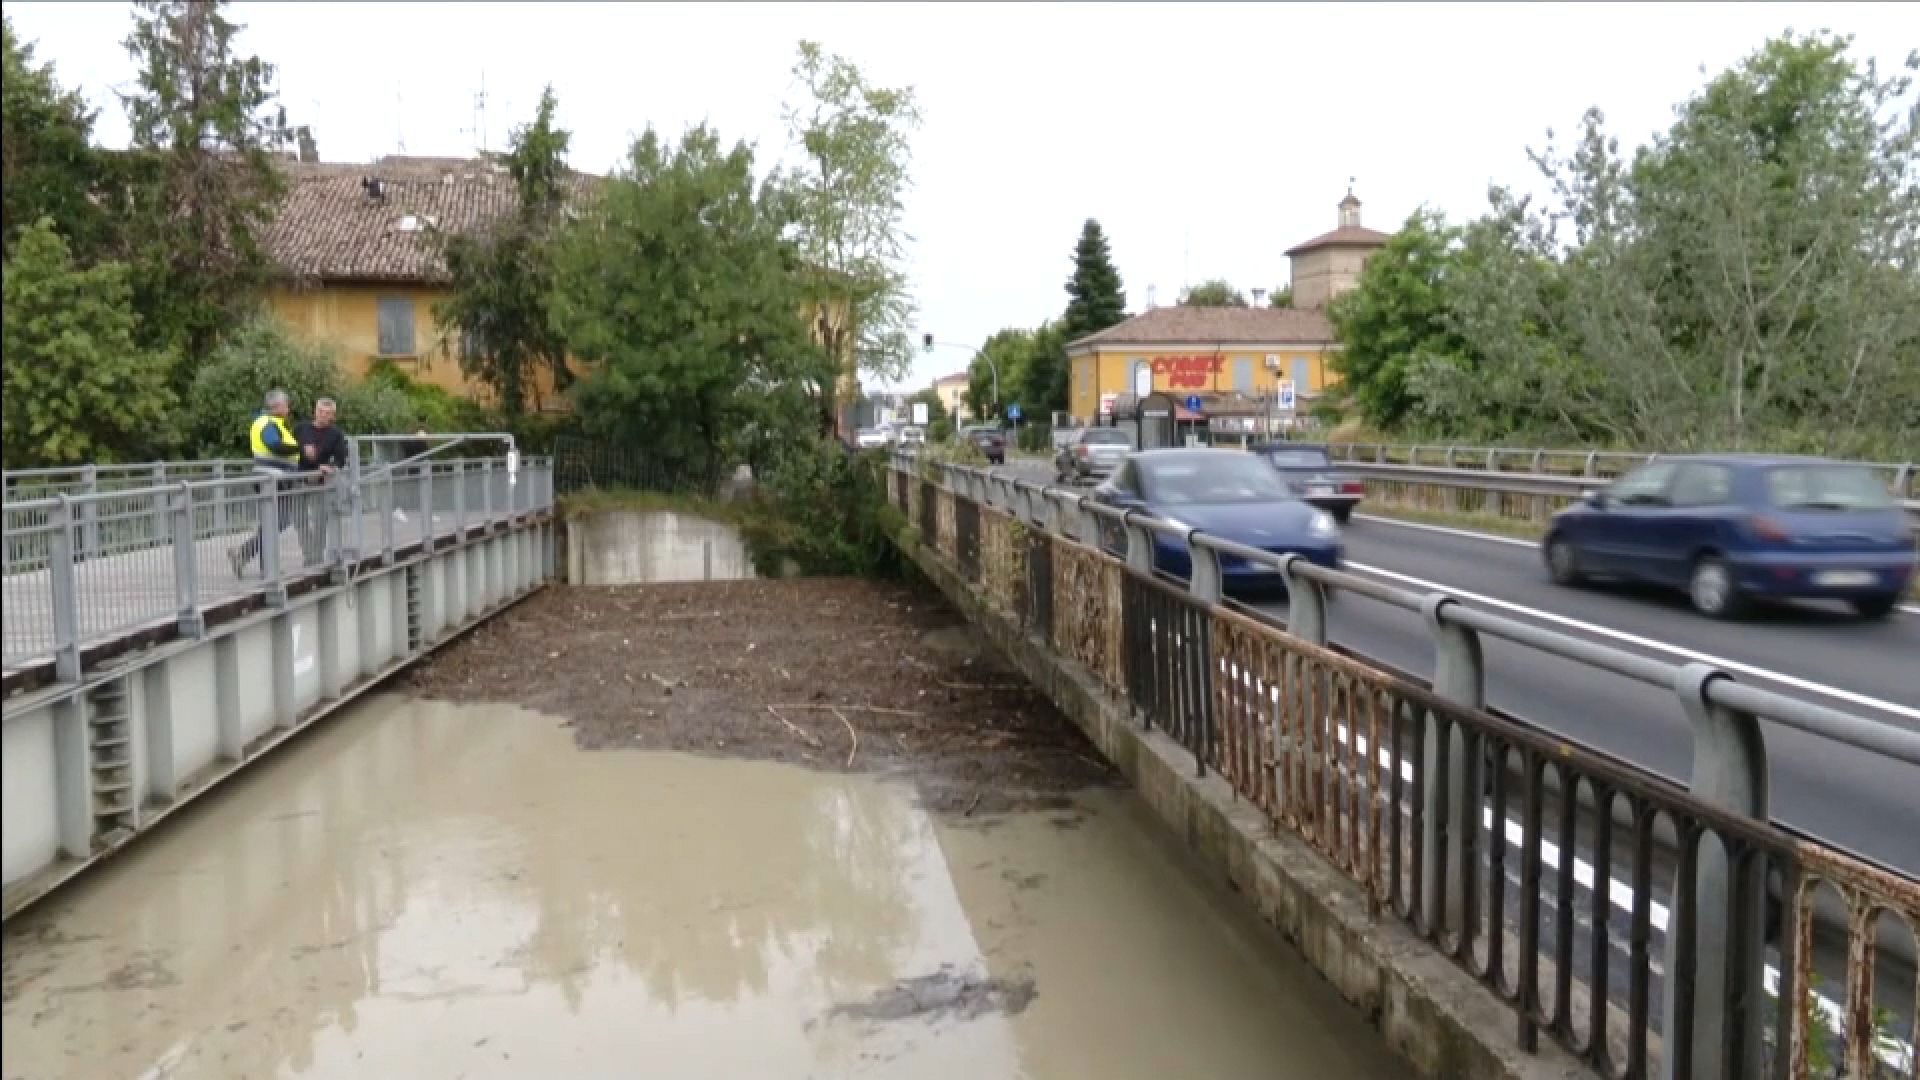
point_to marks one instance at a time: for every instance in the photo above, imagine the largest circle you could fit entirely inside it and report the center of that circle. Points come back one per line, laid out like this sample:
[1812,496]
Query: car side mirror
[1595,499]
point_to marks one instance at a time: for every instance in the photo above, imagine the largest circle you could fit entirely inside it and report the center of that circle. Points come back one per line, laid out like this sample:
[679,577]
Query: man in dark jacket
[323,452]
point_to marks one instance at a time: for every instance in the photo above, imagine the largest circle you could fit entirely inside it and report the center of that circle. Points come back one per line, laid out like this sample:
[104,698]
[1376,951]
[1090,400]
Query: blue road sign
[1013,411]
[1193,402]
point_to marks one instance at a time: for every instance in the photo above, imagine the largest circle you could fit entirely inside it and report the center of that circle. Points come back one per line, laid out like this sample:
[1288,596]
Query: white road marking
[1469,534]
[1443,530]
[1648,643]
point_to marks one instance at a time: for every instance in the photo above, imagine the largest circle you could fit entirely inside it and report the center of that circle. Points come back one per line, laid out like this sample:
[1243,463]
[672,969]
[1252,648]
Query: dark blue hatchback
[1225,493]
[1733,528]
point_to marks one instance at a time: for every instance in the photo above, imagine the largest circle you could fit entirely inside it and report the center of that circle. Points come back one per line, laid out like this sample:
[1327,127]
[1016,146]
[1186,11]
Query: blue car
[1225,493]
[1734,528]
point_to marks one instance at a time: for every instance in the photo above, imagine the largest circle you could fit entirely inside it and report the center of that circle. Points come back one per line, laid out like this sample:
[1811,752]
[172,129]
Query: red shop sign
[1187,371]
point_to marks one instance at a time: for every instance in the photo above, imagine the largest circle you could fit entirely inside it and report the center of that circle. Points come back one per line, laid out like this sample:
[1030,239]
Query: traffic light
[927,340]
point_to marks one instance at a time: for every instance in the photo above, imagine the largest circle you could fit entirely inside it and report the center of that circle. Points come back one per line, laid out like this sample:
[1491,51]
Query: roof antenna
[399,119]
[480,113]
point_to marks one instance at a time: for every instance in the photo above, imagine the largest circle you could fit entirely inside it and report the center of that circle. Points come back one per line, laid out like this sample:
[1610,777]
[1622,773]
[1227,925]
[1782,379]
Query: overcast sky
[1207,139]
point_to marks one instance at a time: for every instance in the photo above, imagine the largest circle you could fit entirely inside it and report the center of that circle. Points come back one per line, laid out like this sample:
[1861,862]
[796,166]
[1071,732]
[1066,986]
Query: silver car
[1093,454]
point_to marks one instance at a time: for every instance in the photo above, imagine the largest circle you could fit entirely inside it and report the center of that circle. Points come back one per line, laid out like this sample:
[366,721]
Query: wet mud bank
[833,674]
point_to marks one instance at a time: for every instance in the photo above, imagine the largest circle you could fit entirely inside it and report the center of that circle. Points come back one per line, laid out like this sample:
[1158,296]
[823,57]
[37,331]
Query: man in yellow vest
[275,453]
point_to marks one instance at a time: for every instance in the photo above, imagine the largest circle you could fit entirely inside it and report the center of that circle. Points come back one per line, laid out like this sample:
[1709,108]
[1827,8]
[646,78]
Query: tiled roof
[1215,325]
[949,380]
[331,229]
[1344,236]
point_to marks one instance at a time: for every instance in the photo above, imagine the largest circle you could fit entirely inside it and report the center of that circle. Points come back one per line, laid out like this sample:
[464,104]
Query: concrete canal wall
[86,766]
[650,547]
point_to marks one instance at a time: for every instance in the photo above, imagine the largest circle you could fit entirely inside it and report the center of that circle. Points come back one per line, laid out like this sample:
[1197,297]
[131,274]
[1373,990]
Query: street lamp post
[927,340]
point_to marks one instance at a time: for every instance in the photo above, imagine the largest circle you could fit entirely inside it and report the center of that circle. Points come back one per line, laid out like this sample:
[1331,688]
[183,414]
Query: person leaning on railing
[323,451]
[275,453]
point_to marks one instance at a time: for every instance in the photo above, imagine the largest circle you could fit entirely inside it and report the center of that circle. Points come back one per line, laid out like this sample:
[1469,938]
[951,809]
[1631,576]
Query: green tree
[199,183]
[1398,318]
[1214,293]
[78,388]
[48,166]
[1281,297]
[1043,376]
[1006,353]
[1747,279]
[679,289]
[1096,299]
[503,275]
[849,195]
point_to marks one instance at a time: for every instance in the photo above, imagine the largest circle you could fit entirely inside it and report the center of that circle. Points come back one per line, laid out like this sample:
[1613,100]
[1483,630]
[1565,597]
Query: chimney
[1259,297]
[309,149]
[1152,291]
[374,187]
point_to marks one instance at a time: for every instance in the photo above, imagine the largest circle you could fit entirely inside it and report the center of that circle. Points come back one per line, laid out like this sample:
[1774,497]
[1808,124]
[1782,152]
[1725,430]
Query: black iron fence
[581,464]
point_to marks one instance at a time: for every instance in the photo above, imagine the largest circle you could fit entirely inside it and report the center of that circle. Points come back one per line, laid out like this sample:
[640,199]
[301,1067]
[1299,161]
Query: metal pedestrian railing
[1652,929]
[89,559]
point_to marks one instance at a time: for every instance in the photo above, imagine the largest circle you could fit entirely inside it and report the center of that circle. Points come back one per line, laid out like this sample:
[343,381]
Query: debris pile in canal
[826,672]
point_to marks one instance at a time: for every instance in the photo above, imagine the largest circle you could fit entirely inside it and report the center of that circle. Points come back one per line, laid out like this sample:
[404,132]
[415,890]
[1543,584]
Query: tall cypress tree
[1097,300]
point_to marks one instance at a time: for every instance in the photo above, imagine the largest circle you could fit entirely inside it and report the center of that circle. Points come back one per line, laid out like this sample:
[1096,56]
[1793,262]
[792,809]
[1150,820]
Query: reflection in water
[428,890]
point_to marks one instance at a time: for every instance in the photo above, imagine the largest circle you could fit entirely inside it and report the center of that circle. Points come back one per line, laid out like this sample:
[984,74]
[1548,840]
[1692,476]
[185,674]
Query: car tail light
[1352,487]
[1767,528]
[1080,451]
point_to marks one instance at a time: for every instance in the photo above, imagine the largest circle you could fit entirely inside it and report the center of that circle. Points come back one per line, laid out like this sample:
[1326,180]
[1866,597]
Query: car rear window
[1298,458]
[1105,436]
[1827,487]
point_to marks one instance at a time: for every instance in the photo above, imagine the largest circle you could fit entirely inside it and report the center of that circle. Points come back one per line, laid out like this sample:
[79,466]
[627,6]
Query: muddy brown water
[429,890]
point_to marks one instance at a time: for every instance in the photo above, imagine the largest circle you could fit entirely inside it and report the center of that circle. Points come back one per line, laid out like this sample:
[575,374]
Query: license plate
[1844,578]
[1320,489]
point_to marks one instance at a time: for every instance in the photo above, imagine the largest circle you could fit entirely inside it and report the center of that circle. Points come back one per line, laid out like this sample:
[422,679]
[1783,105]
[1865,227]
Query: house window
[1243,376]
[1300,383]
[396,328]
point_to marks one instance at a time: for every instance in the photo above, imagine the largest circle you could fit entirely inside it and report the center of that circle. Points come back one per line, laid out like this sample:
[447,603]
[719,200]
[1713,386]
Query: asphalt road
[1851,798]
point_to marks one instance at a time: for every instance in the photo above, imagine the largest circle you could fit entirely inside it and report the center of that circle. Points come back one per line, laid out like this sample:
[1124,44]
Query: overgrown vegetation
[714,312]
[1750,279]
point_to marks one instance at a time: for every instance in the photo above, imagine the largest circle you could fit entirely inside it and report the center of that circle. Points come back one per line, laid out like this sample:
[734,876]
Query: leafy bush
[434,407]
[825,509]
[76,387]
[227,391]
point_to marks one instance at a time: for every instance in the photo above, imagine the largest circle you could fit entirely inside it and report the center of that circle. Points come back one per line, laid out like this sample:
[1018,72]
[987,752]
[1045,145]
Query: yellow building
[1223,355]
[952,390]
[356,247]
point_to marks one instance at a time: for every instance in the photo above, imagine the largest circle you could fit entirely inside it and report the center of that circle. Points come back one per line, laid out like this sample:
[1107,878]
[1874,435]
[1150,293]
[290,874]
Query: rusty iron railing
[1650,929]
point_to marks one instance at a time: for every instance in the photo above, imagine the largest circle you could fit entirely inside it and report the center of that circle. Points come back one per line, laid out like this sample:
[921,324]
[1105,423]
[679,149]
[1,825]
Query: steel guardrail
[1338,749]
[83,569]
[1902,477]
[1541,486]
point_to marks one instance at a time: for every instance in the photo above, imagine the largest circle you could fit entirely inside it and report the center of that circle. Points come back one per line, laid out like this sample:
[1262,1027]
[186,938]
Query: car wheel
[1563,562]
[1878,606]
[1712,589]
[1343,514]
